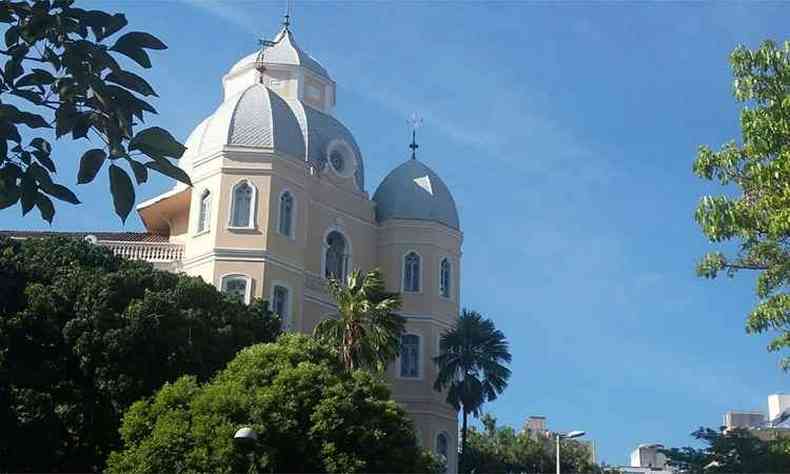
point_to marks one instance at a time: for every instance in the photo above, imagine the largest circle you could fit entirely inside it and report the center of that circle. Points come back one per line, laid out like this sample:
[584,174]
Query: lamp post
[572,434]
[247,438]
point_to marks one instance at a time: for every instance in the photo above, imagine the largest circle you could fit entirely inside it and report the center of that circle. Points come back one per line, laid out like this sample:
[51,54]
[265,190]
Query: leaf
[156,140]
[137,54]
[131,81]
[45,207]
[44,159]
[32,120]
[38,77]
[122,191]
[138,39]
[41,144]
[61,192]
[140,171]
[29,193]
[170,170]
[11,36]
[90,164]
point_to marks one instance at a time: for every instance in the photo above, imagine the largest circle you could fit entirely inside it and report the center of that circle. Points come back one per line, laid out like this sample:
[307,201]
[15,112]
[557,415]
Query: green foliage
[737,450]
[470,362]
[61,69]
[366,333]
[310,414]
[501,449]
[758,215]
[83,334]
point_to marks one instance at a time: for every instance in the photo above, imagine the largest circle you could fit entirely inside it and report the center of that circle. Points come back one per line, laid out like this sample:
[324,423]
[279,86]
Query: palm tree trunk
[463,442]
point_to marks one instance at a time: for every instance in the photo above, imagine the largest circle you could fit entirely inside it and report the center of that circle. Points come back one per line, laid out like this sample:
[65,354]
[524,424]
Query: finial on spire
[415,121]
[287,16]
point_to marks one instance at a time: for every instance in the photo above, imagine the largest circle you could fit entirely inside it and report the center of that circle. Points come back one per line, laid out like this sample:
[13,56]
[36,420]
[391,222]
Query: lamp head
[574,434]
[245,435]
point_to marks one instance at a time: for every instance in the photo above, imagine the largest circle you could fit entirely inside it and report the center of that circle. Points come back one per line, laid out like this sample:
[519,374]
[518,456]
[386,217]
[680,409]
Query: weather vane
[415,121]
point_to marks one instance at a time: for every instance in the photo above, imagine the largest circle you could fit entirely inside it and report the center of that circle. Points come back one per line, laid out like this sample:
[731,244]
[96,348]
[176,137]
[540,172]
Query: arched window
[411,272]
[442,446]
[281,302]
[242,205]
[336,258]
[204,212]
[444,277]
[237,286]
[286,214]
[410,356]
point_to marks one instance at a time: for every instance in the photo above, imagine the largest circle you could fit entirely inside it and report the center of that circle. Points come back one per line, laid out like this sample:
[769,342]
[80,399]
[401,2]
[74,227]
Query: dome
[284,51]
[414,191]
[259,117]
[256,117]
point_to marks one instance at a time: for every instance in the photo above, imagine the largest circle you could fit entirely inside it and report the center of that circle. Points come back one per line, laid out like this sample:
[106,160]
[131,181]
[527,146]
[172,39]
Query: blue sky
[566,132]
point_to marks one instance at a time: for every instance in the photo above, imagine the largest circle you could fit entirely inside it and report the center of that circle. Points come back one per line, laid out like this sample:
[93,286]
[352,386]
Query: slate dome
[414,191]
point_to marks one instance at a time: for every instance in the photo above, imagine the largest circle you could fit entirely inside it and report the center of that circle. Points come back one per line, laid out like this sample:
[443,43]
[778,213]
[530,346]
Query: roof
[414,191]
[284,51]
[255,117]
[259,117]
[102,236]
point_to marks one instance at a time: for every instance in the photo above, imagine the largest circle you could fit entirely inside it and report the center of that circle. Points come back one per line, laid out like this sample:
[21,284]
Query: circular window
[338,161]
[341,158]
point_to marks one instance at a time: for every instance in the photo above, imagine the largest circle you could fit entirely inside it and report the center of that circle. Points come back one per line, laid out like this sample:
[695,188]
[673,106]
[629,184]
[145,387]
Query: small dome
[256,117]
[414,191]
[284,51]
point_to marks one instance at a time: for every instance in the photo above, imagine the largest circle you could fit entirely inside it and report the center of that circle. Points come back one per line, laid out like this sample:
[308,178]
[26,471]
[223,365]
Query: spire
[415,121]
[287,16]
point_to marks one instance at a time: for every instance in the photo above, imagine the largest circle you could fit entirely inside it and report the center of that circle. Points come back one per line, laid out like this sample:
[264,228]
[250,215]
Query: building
[536,429]
[648,456]
[743,419]
[278,204]
[776,425]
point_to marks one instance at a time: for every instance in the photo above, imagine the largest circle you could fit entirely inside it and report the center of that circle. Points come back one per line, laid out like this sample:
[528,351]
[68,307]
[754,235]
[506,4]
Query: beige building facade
[278,205]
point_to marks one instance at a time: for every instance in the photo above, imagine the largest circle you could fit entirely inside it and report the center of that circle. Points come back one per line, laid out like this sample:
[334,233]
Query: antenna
[416,122]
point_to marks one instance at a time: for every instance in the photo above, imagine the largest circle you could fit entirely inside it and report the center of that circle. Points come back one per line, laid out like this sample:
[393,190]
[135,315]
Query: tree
[756,211]
[502,449]
[735,450]
[366,332]
[84,334]
[61,74]
[470,362]
[310,414]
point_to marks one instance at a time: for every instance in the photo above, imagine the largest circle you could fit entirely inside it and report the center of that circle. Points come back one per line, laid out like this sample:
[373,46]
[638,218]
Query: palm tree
[470,362]
[366,332]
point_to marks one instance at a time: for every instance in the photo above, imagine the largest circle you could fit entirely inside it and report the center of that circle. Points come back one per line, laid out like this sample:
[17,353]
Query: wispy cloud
[227,11]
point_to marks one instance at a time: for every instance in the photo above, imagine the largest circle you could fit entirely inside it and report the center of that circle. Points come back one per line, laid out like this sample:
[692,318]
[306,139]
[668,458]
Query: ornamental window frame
[251,218]
[407,288]
[287,318]
[445,291]
[418,360]
[229,277]
[292,224]
[348,256]
[350,159]
[203,224]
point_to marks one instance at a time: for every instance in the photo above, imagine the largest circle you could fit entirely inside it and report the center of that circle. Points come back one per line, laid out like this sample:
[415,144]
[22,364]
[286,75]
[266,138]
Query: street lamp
[572,434]
[246,438]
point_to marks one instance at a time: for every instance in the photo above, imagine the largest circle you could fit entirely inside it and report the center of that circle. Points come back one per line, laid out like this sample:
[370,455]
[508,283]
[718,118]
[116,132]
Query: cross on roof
[415,121]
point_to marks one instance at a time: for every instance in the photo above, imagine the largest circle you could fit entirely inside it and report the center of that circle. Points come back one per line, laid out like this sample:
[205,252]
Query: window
[313,92]
[204,212]
[411,272]
[444,278]
[241,205]
[237,286]
[281,302]
[442,445]
[338,161]
[286,214]
[410,356]
[336,256]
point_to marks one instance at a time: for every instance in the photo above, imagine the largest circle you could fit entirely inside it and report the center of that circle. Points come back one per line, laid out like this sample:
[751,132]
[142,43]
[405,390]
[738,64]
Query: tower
[278,205]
